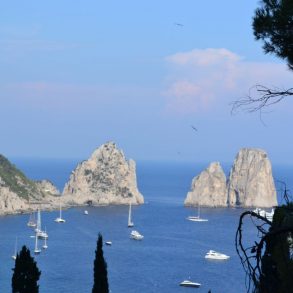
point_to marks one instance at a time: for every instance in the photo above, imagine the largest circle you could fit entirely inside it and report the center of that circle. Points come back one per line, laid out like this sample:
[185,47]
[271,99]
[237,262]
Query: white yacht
[108,243]
[130,223]
[187,283]
[265,214]
[216,255]
[136,235]
[60,219]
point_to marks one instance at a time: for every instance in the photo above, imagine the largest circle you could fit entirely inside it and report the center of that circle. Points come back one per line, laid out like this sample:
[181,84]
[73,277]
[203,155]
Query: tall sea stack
[105,178]
[208,188]
[251,182]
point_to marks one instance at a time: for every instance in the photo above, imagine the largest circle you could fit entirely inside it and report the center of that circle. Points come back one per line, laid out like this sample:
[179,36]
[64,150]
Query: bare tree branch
[259,98]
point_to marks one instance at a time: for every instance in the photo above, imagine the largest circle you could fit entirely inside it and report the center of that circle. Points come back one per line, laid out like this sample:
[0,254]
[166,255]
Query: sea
[172,250]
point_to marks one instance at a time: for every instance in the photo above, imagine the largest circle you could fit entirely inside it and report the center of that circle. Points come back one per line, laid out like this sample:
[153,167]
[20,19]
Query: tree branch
[260,97]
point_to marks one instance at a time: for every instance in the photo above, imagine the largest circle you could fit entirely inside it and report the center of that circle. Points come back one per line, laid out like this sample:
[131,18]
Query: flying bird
[194,128]
[178,24]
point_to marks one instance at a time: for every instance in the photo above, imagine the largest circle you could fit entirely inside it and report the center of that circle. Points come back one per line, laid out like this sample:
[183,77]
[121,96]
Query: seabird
[193,127]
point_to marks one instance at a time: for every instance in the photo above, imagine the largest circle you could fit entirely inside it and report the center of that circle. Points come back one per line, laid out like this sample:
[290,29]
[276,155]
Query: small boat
[37,250]
[32,222]
[187,283]
[197,218]
[86,212]
[265,214]
[39,233]
[130,223]
[108,243]
[60,219]
[136,235]
[216,255]
[15,250]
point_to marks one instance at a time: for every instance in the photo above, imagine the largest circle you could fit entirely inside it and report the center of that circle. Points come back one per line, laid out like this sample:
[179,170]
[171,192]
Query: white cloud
[204,79]
[207,57]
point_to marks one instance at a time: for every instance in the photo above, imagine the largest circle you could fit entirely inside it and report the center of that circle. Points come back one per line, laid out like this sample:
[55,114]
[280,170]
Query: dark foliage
[26,273]
[268,261]
[100,270]
[273,24]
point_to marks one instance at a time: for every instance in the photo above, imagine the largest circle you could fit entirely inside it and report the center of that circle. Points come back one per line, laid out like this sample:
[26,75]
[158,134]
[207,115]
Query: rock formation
[208,188]
[18,193]
[251,182]
[105,178]
[47,187]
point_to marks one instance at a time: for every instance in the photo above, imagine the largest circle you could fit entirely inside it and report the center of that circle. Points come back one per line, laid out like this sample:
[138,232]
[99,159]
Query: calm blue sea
[173,248]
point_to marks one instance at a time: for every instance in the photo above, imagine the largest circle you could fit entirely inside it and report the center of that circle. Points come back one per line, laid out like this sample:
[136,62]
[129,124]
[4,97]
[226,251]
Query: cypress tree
[100,269]
[25,273]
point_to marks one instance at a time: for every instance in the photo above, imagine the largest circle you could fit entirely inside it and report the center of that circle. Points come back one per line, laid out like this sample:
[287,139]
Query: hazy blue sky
[75,74]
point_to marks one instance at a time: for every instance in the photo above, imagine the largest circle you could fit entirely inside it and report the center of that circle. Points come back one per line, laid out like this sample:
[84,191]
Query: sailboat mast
[129,214]
[15,248]
[39,220]
[36,243]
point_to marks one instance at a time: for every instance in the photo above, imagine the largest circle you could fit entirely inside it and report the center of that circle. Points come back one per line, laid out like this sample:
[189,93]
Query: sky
[76,74]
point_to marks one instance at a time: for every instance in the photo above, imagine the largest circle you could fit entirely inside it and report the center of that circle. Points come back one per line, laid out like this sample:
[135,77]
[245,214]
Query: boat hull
[196,219]
[190,284]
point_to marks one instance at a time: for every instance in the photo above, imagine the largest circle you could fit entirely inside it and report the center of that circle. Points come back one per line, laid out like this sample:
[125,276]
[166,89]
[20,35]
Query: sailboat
[130,223]
[37,250]
[197,218]
[59,219]
[39,233]
[45,246]
[32,222]
[15,250]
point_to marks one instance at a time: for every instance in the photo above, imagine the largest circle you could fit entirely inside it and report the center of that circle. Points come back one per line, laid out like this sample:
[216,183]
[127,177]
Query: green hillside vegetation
[16,181]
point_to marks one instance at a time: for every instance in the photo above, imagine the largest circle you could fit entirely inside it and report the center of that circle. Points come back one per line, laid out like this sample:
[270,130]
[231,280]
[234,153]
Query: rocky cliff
[105,178]
[251,182]
[20,194]
[208,188]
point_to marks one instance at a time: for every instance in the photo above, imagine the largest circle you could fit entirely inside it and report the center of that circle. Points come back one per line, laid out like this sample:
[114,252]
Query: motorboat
[108,243]
[136,235]
[268,215]
[216,255]
[187,283]
[86,212]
